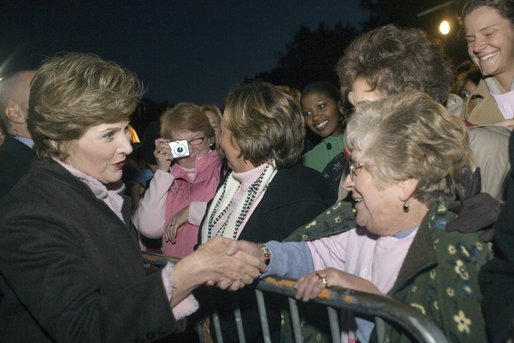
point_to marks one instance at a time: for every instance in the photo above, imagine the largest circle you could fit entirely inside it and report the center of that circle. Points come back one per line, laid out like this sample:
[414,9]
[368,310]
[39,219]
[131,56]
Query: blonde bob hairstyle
[411,136]
[266,123]
[72,92]
[185,116]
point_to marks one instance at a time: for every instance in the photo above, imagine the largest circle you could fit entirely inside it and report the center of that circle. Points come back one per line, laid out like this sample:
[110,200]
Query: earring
[212,146]
[405,207]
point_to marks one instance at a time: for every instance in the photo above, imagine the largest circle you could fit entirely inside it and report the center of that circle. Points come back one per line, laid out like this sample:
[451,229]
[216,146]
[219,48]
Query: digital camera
[179,148]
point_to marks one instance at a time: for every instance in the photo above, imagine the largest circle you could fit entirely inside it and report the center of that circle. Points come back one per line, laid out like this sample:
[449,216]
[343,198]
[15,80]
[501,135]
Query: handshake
[222,262]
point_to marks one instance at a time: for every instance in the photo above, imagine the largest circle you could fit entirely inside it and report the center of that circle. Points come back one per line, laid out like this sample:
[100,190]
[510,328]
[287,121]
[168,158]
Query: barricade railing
[420,327]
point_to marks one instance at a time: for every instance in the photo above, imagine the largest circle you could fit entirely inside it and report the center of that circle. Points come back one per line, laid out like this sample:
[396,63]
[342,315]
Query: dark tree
[147,112]
[311,56]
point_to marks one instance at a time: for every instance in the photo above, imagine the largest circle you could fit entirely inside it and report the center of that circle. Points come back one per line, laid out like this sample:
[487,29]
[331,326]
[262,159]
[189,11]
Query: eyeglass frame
[352,168]
[192,140]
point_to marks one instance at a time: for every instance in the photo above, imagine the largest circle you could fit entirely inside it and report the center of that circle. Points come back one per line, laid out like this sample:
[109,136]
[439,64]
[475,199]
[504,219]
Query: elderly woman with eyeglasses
[193,177]
[407,154]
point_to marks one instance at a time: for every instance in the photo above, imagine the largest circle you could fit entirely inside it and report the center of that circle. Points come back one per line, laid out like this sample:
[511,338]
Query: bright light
[444,27]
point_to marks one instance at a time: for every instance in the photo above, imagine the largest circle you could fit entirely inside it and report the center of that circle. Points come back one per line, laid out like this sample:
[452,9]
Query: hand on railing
[309,285]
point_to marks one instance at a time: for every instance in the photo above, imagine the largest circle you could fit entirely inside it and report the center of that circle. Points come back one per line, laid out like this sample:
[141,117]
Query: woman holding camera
[188,138]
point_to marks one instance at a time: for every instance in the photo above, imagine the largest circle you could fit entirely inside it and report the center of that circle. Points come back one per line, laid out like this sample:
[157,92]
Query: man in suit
[16,152]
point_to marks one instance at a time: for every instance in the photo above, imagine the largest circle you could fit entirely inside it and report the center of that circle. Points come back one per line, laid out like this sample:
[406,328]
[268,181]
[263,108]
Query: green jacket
[319,156]
[439,276]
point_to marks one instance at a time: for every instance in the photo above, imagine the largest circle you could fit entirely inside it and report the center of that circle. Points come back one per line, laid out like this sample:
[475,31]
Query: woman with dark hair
[323,112]
[489,32]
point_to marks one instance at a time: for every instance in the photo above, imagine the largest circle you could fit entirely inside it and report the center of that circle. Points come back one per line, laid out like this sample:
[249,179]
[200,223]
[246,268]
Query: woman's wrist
[265,253]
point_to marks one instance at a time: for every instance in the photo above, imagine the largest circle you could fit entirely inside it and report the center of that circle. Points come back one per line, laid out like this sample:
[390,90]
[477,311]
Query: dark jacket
[71,270]
[15,160]
[295,196]
[497,276]
[439,276]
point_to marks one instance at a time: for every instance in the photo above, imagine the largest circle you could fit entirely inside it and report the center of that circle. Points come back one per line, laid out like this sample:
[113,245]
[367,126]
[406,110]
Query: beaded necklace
[223,202]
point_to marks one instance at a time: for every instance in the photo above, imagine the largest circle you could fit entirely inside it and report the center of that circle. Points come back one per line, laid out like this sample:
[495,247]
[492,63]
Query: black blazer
[294,197]
[497,275]
[71,270]
[15,161]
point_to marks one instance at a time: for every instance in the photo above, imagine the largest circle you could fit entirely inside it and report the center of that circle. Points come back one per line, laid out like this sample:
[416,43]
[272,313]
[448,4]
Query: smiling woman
[101,151]
[323,113]
[65,229]
[489,32]
[401,246]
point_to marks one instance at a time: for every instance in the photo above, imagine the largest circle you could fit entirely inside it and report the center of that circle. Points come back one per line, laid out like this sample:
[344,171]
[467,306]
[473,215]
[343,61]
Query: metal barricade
[421,328]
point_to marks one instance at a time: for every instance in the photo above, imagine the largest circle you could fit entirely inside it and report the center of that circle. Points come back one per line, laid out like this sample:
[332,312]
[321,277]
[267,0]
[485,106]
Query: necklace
[224,201]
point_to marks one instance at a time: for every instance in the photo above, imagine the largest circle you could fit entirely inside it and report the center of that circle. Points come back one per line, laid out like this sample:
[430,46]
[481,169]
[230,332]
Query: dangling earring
[212,146]
[405,207]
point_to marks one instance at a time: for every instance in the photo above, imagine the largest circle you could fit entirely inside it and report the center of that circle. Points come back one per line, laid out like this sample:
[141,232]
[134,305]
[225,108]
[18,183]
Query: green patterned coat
[439,276]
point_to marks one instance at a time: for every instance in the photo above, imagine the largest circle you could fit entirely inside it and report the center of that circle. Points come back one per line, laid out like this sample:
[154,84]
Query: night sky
[181,50]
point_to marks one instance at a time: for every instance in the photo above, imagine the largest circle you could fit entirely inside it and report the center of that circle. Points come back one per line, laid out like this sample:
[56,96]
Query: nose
[348,183]
[125,146]
[314,115]
[478,44]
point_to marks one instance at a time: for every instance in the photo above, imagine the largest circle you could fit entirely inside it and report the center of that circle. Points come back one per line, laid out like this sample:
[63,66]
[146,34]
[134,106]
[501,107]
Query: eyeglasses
[351,168]
[196,141]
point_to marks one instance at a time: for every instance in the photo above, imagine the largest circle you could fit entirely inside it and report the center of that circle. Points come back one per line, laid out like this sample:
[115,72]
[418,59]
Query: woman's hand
[309,285]
[508,123]
[176,223]
[163,154]
[211,264]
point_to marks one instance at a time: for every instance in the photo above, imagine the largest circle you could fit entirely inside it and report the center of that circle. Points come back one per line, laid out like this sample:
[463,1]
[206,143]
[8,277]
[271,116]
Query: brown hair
[504,7]
[392,60]
[73,92]
[266,123]
[185,116]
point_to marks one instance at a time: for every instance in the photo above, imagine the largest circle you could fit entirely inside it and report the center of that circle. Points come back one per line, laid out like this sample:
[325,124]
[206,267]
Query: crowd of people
[409,194]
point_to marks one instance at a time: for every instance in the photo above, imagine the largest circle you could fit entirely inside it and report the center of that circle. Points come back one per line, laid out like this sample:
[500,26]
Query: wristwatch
[265,251]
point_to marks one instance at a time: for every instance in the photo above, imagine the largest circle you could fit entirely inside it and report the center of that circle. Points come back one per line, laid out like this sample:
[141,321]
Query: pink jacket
[168,193]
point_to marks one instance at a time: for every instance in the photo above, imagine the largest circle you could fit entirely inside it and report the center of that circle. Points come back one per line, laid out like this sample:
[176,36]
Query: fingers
[225,283]
[218,266]
[309,285]
[248,247]
[251,263]
[205,325]
[170,233]
[162,154]
[174,226]
[236,285]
